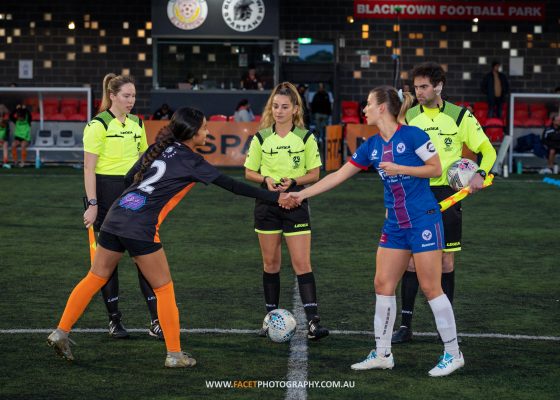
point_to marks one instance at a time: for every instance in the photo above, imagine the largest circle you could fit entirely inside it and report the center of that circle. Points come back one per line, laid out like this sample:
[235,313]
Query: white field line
[297,363]
[220,331]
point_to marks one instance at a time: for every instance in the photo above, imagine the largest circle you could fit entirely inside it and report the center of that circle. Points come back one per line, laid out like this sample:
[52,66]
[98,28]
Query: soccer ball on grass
[281,325]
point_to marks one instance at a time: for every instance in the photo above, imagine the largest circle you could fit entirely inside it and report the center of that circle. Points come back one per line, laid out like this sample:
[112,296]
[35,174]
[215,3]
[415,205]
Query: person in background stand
[551,139]
[321,107]
[4,134]
[251,81]
[302,90]
[495,86]
[163,113]
[113,141]
[243,112]
[22,133]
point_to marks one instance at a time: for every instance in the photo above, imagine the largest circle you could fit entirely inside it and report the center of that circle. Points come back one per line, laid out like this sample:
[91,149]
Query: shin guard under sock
[168,316]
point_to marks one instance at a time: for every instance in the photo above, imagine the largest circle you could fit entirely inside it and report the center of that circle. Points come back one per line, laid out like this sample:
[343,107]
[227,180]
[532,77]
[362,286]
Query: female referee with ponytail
[113,142]
[157,182]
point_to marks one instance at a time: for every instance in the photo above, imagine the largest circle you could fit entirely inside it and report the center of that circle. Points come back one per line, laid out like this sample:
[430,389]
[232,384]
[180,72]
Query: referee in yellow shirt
[283,157]
[113,141]
[449,127]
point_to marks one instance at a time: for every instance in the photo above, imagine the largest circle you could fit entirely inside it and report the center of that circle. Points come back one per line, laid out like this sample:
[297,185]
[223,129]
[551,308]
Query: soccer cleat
[447,364]
[181,360]
[61,343]
[6,165]
[373,361]
[316,331]
[402,335]
[155,330]
[116,328]
[263,332]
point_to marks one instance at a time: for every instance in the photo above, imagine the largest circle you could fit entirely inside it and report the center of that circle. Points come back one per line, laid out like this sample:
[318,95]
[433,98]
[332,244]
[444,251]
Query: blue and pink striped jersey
[407,198]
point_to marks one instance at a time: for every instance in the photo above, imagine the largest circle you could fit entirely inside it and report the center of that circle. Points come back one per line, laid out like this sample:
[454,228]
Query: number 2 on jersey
[146,184]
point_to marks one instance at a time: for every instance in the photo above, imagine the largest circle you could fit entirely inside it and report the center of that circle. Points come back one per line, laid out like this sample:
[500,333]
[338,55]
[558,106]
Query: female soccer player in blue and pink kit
[405,159]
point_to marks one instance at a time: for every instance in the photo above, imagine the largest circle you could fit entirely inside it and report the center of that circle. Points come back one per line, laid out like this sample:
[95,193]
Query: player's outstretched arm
[430,169]
[327,183]
[243,189]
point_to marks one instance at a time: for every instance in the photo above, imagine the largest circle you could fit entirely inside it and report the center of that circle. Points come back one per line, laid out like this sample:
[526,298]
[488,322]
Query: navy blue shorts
[426,236]
[119,244]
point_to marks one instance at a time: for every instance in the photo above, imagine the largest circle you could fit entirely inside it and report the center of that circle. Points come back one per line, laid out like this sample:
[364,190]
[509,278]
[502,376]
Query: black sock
[448,284]
[308,294]
[409,290]
[149,295]
[271,286]
[110,293]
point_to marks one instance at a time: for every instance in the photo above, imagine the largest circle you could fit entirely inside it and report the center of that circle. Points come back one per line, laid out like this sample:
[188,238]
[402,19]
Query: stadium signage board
[187,14]
[446,10]
[243,15]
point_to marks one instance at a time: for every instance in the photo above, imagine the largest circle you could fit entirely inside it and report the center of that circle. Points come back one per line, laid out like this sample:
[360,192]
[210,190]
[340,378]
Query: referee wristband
[264,179]
[294,183]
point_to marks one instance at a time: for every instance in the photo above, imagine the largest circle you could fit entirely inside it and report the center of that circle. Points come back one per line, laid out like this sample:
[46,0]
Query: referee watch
[482,173]
[92,202]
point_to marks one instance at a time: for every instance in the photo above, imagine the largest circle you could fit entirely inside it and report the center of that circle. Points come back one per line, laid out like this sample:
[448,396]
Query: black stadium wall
[62,57]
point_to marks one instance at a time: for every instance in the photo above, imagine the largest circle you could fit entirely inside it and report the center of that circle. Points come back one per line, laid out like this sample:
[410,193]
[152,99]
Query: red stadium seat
[480,105]
[494,129]
[77,117]
[520,116]
[55,117]
[481,116]
[537,106]
[540,113]
[258,118]
[218,117]
[535,122]
[350,109]
[520,106]
[35,116]
[68,109]
[231,118]
[463,104]
[351,120]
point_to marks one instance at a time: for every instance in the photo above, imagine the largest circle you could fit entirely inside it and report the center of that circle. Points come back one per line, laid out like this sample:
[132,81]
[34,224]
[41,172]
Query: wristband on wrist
[482,173]
[294,183]
[264,179]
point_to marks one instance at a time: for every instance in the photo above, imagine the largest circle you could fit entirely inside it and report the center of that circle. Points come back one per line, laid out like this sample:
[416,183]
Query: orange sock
[168,315]
[79,300]
[23,154]
[14,154]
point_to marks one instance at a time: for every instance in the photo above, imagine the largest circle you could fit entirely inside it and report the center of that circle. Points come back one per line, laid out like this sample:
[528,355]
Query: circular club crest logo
[243,15]
[401,148]
[426,235]
[187,14]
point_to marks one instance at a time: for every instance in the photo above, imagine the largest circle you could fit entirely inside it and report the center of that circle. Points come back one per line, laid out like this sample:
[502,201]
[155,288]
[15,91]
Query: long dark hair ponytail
[184,124]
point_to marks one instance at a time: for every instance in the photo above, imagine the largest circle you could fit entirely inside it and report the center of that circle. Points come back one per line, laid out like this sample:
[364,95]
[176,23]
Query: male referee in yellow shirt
[449,127]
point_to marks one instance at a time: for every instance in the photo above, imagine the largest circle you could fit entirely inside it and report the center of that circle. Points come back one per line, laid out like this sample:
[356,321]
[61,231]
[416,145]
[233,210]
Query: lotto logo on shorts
[383,238]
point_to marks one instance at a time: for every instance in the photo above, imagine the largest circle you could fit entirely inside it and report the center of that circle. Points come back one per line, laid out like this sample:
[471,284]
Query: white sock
[445,322]
[385,315]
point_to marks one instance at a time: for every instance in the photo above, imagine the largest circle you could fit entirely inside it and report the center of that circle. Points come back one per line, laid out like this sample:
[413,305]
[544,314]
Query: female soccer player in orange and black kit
[158,181]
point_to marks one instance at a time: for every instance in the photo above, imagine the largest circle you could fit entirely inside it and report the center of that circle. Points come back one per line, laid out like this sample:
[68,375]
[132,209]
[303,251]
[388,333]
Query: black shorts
[270,218]
[108,189]
[133,246]
[452,219]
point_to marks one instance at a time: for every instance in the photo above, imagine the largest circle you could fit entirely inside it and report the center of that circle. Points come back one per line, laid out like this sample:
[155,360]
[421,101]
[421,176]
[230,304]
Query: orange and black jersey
[142,207]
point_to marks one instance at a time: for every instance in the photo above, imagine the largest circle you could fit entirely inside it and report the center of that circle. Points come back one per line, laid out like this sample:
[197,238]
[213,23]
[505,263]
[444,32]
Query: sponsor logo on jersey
[427,235]
[243,15]
[428,244]
[169,152]
[374,154]
[187,14]
[401,148]
[132,201]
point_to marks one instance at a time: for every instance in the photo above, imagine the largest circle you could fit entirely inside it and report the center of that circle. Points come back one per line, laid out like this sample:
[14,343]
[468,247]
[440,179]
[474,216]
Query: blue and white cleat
[447,364]
[373,361]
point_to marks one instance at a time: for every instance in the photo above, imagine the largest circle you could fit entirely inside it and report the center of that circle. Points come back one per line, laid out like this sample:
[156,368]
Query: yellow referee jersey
[448,127]
[117,145]
[289,157]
